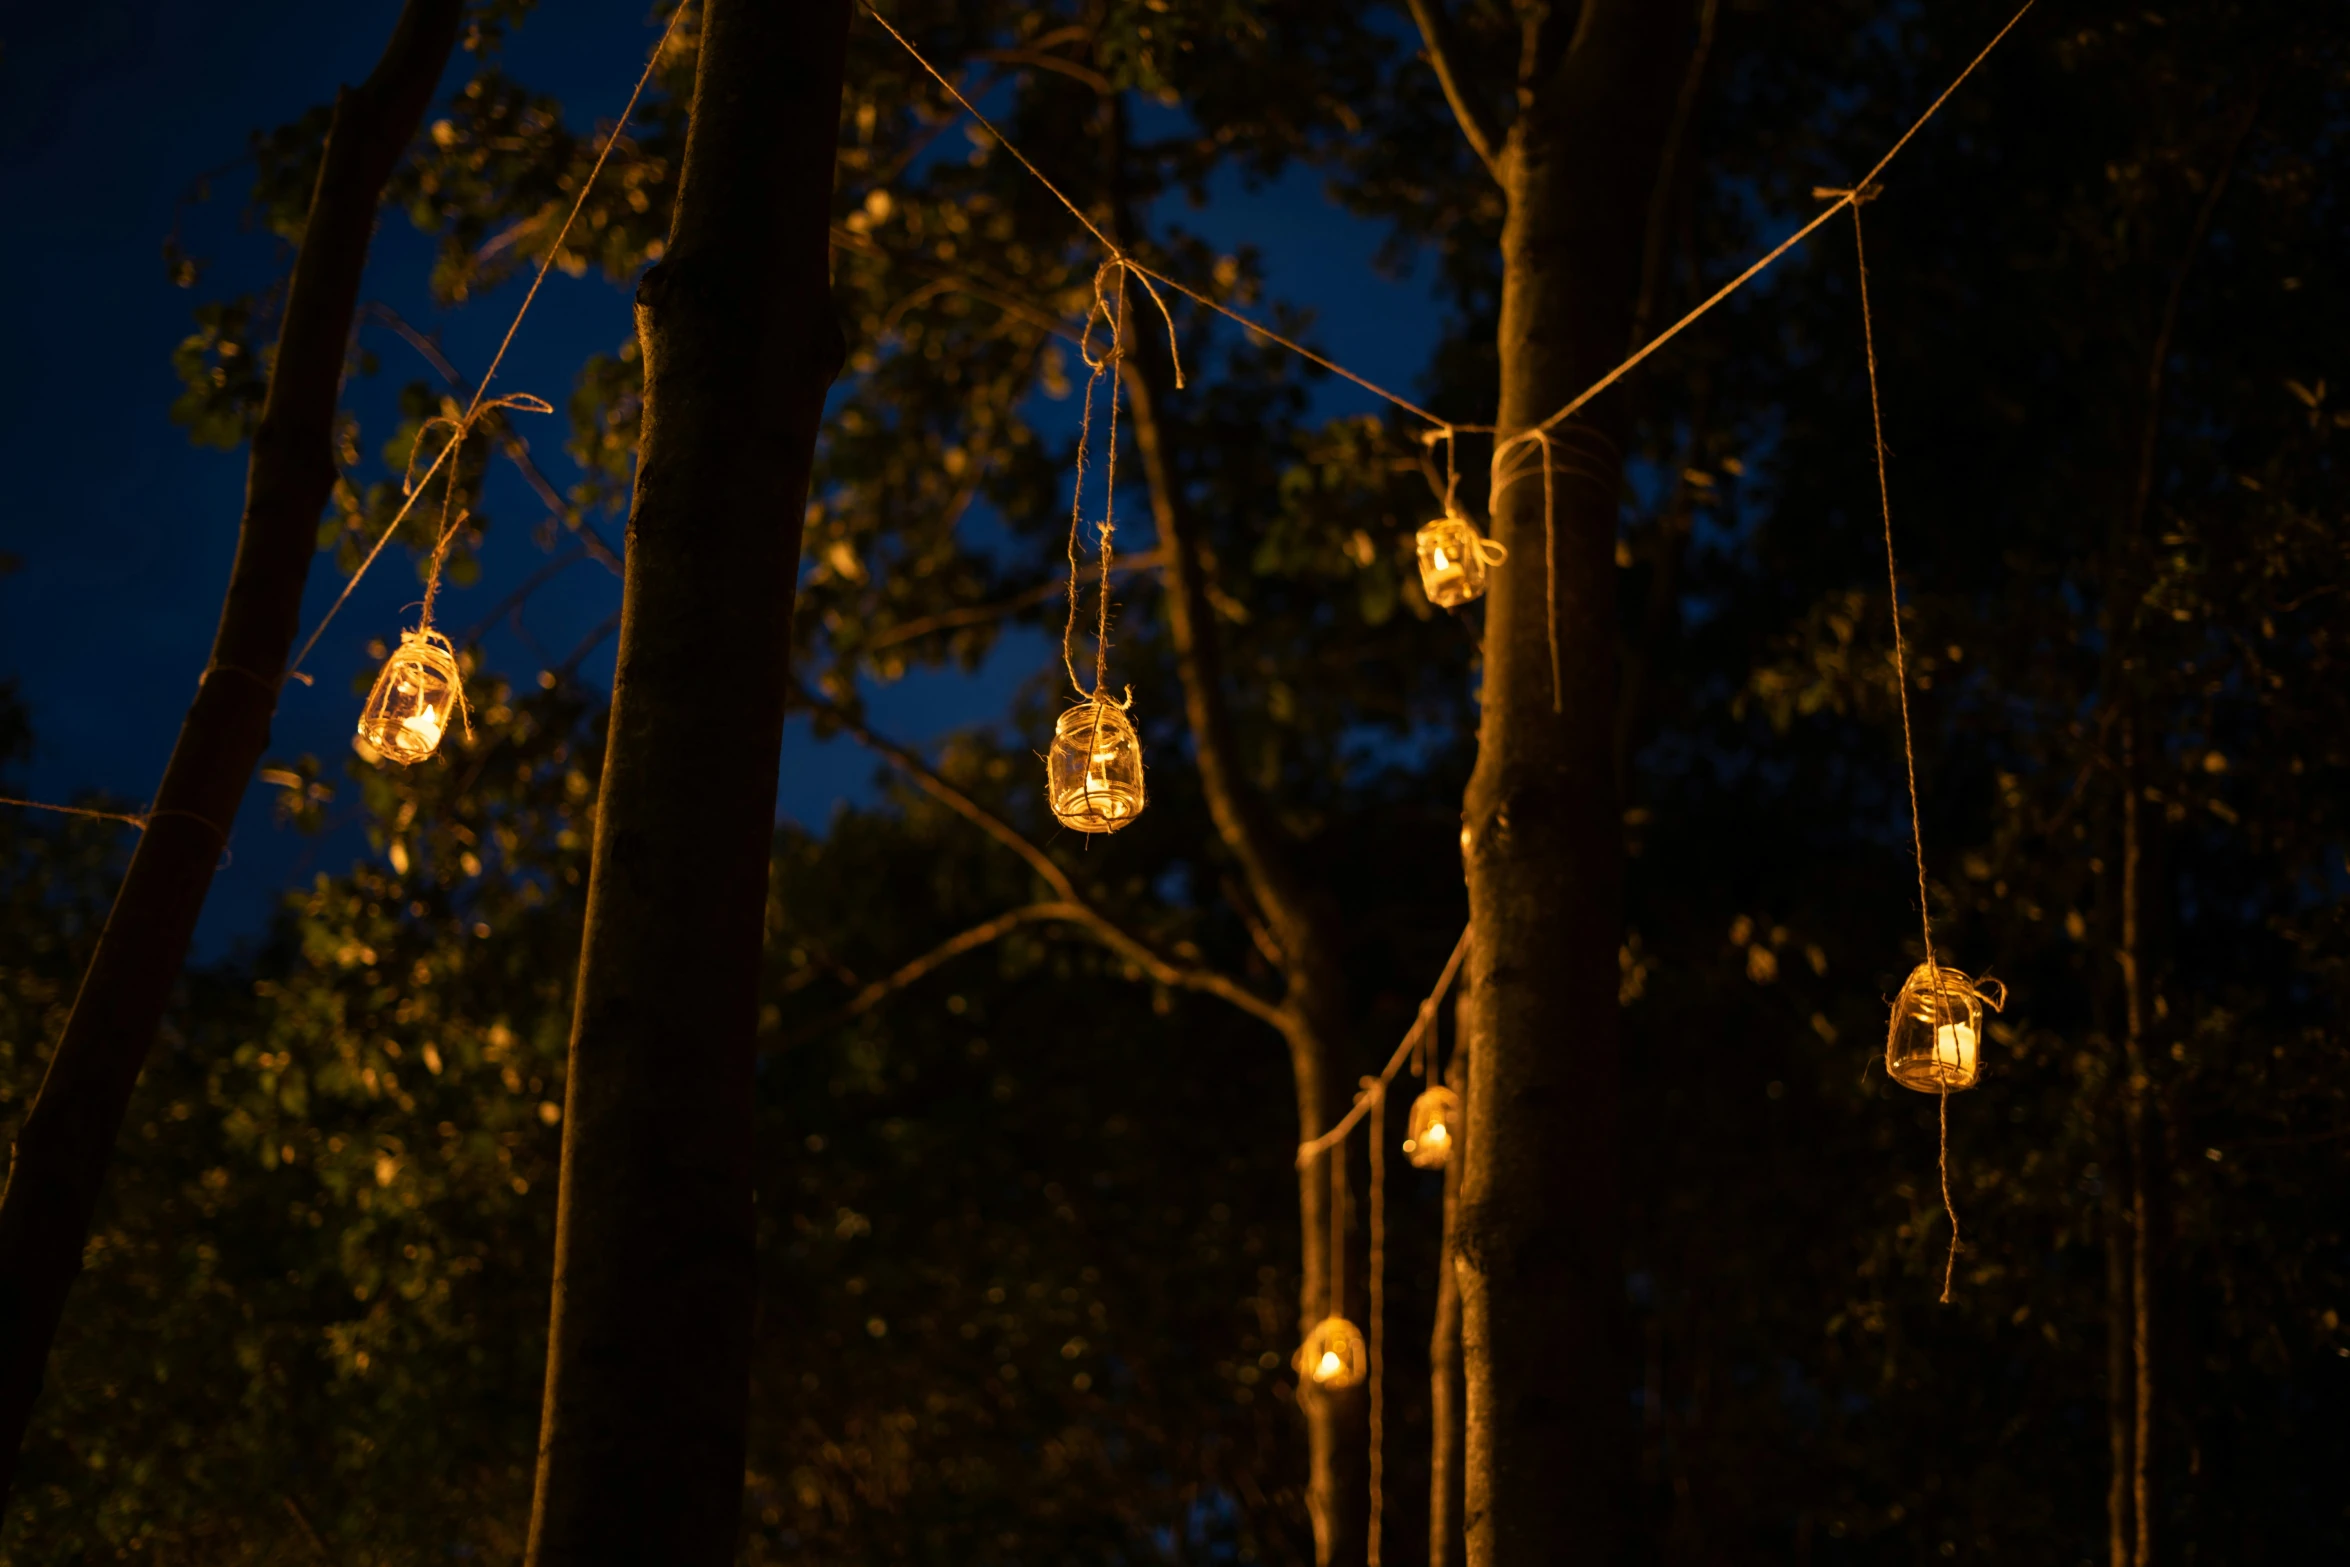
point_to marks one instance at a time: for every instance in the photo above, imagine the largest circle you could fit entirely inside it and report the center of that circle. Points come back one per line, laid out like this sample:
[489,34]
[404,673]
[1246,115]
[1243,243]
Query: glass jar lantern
[1093,776]
[1934,1040]
[1435,1120]
[408,711]
[1333,1355]
[1453,560]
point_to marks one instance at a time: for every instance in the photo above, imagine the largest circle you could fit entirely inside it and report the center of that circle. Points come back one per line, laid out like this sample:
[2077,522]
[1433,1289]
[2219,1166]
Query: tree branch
[882,989]
[1442,43]
[1074,907]
[980,614]
[1048,62]
[514,600]
[515,448]
[1668,172]
[936,786]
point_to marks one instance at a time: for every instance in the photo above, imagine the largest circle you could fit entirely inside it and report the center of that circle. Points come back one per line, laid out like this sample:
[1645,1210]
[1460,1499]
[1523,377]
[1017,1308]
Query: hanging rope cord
[1909,759]
[1109,304]
[482,404]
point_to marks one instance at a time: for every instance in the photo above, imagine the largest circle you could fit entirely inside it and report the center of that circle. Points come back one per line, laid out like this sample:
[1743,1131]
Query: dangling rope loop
[1109,307]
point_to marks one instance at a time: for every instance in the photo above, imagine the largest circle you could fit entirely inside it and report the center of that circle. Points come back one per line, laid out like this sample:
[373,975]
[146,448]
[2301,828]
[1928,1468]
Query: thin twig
[587,645]
[1076,908]
[882,989]
[980,614]
[514,600]
[510,442]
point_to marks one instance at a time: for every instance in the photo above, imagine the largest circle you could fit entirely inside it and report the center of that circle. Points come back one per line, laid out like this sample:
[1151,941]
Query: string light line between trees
[1439,423]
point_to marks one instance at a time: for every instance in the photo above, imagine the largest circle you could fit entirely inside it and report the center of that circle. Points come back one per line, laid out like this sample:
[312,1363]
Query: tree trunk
[61,1150]
[1447,1398]
[2119,1381]
[1304,928]
[2134,1096]
[648,1366]
[1550,1438]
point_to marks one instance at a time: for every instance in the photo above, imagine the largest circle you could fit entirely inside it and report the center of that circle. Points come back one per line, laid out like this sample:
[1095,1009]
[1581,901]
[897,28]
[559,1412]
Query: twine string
[1095,369]
[1116,310]
[137,821]
[1844,198]
[142,820]
[1942,1014]
[1334,1287]
[1109,305]
[1550,578]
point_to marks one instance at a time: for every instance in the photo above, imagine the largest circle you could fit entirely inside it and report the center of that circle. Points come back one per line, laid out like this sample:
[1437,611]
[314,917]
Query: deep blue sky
[108,109]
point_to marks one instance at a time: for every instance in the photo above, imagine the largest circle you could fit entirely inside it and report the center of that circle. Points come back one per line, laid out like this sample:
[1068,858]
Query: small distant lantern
[408,711]
[1093,778]
[1933,1043]
[1453,560]
[1333,1355]
[1435,1120]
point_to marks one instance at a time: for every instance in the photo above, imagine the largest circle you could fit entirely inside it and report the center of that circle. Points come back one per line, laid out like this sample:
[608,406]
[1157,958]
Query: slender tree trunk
[2120,1383]
[1550,1437]
[648,1366]
[1304,927]
[1447,1397]
[1301,919]
[60,1156]
[2134,1095]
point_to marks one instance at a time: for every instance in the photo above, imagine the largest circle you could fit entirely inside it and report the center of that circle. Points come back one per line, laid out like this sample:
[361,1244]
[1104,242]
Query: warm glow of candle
[1329,1366]
[1954,1047]
[426,725]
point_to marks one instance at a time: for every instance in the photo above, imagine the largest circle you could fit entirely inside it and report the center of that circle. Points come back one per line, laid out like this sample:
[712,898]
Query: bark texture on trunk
[642,1437]
[1537,1245]
[1447,1397]
[58,1166]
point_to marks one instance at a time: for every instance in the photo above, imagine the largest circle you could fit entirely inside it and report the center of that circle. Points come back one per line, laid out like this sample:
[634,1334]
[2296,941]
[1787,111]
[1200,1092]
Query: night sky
[109,110]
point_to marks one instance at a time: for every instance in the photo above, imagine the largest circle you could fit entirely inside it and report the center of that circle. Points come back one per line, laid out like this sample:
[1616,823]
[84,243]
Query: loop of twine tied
[1109,307]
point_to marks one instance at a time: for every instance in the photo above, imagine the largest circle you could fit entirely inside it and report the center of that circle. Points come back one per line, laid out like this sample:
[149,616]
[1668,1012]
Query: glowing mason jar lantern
[1093,776]
[1934,1041]
[408,711]
[1453,560]
[1333,1355]
[1436,1117]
